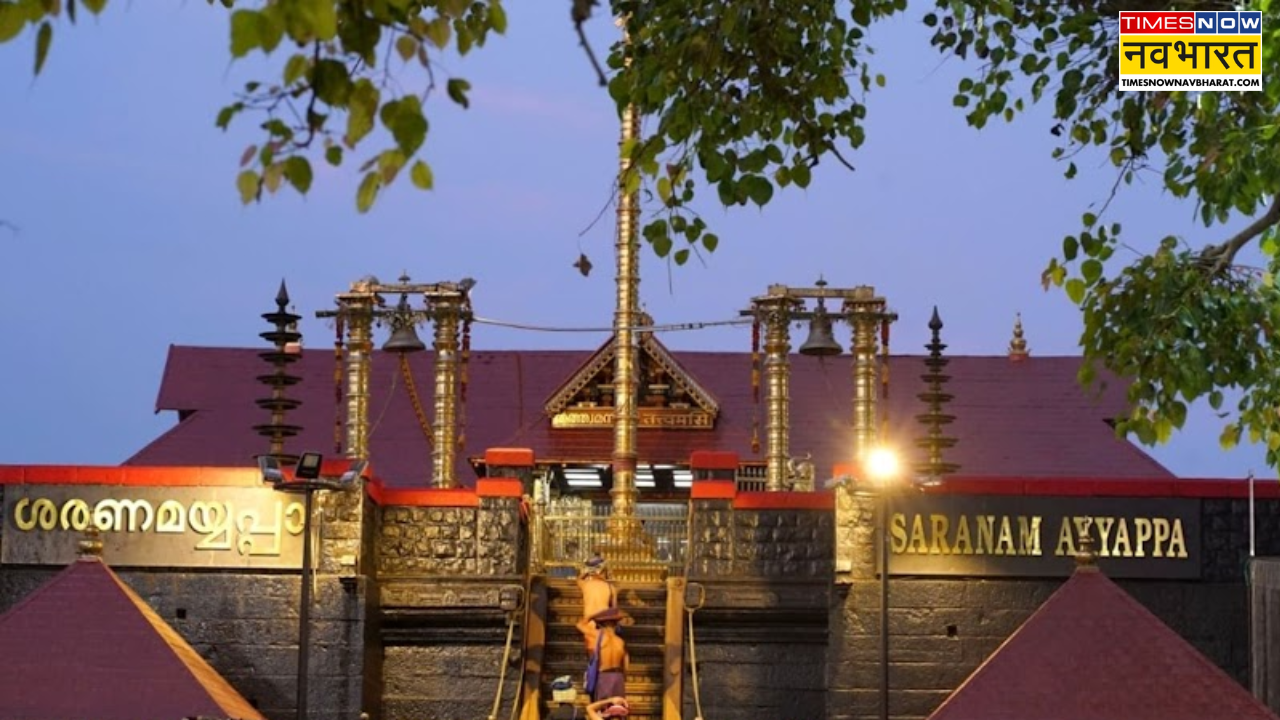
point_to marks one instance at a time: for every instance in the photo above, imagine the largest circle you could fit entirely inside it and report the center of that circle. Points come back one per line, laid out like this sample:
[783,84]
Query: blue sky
[132,236]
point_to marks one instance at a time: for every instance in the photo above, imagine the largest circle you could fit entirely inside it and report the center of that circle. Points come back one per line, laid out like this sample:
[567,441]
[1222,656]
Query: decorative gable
[668,397]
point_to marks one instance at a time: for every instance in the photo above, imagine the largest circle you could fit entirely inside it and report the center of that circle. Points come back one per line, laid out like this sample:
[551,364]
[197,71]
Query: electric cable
[668,327]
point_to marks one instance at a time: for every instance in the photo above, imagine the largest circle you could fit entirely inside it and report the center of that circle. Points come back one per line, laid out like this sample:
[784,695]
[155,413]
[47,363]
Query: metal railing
[751,477]
[574,529]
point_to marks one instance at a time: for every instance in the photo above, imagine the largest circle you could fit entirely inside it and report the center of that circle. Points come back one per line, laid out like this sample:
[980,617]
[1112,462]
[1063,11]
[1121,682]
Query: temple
[389,528]
[451,495]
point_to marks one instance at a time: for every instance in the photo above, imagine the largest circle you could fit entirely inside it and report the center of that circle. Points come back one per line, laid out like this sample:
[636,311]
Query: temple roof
[1013,419]
[1093,652]
[85,647]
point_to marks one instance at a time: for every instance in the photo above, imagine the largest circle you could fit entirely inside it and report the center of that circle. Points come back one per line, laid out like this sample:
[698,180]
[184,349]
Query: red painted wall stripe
[499,487]
[824,500]
[712,490]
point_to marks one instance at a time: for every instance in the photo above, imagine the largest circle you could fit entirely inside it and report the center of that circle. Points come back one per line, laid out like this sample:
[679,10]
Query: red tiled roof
[1028,418]
[1092,652]
[86,647]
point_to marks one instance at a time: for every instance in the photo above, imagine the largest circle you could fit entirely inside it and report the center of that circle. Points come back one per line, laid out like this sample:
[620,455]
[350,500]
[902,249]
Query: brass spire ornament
[1018,345]
[934,442]
[285,338]
[89,547]
[1086,556]
[627,250]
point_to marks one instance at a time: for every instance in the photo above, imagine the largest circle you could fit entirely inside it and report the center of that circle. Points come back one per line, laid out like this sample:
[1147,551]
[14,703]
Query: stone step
[566,653]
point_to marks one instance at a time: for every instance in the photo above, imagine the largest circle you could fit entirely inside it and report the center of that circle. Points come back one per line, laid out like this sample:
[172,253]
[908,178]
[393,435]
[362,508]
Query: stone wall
[942,629]
[761,634]
[481,541]
[441,571]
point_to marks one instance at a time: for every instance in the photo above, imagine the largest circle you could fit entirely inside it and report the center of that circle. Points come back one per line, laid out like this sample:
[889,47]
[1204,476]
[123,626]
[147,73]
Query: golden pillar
[775,313]
[625,414]
[356,308]
[855,513]
[865,312]
[446,308]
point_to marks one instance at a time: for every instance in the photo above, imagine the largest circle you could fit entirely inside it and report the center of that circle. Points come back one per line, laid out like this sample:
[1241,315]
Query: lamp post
[883,467]
[306,480]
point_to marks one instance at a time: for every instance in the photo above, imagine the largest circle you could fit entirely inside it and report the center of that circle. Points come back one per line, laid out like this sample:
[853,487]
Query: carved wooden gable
[668,397]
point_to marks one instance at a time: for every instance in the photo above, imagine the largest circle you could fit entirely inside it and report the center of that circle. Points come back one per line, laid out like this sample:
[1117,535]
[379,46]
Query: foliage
[1185,323]
[747,97]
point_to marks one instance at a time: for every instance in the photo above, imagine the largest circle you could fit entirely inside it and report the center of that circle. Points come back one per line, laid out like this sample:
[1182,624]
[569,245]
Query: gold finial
[90,546]
[1018,345]
[1086,556]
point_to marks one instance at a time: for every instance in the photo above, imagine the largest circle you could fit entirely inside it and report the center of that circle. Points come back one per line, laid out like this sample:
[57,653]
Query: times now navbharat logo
[1191,50]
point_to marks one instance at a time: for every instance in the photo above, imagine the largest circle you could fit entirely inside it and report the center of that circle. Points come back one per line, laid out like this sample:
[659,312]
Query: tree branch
[1222,255]
[591,55]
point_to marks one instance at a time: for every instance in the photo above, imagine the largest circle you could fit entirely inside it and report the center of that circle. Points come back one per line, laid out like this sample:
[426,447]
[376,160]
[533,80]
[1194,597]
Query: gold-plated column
[538,525]
[775,312]
[625,414]
[865,311]
[446,309]
[357,310]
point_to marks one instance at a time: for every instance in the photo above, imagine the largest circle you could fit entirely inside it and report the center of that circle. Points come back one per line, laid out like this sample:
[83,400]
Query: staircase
[566,654]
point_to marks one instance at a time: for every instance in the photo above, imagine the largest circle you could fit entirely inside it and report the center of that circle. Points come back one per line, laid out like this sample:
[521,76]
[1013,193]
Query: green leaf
[406,47]
[498,17]
[321,17]
[43,38]
[297,170]
[421,175]
[11,22]
[94,6]
[682,256]
[333,155]
[245,35]
[801,175]
[404,119]
[759,189]
[1091,270]
[296,68]
[368,191]
[389,164]
[1075,290]
[362,107]
[664,189]
[457,89]
[438,32]
[1230,436]
[271,176]
[331,82]
[247,182]
[1089,219]
[226,114]
[710,241]
[1070,247]
[660,239]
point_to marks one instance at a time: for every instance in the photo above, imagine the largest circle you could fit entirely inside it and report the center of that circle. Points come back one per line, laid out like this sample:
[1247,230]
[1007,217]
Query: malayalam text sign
[204,527]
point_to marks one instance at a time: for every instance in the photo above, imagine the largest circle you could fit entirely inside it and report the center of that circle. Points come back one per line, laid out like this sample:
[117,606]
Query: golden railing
[574,529]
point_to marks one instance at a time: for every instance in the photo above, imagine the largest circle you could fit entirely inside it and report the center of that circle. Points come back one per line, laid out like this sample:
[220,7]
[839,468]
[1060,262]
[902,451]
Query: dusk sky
[131,235]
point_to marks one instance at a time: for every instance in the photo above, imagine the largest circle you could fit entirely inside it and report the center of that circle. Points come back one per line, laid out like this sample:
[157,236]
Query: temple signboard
[665,418]
[1027,536]
[202,527]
